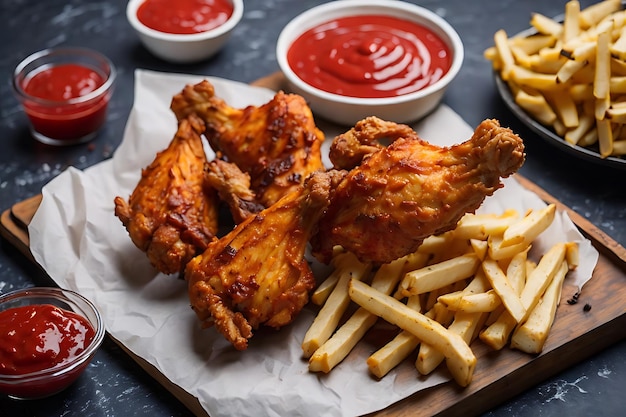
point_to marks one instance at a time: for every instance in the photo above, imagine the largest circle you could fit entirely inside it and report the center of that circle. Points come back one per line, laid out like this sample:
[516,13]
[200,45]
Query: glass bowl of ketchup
[351,59]
[48,336]
[65,93]
[184,31]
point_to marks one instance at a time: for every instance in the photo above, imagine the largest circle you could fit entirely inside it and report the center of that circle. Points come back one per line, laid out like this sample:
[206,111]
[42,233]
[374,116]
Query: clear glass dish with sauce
[48,337]
[65,93]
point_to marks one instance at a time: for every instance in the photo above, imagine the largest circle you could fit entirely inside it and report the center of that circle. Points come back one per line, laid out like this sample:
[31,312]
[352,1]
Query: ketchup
[372,56]
[65,121]
[38,337]
[184,16]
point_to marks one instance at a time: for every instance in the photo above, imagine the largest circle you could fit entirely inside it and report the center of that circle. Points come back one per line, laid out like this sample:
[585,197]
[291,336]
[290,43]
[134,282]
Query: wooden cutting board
[575,335]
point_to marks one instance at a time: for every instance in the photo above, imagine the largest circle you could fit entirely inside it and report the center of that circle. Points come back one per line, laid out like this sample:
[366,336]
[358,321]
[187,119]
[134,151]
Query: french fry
[321,293]
[572,255]
[545,25]
[585,123]
[339,345]
[536,105]
[480,248]
[503,288]
[329,315]
[571,28]
[540,277]
[528,228]
[477,285]
[342,262]
[480,226]
[531,336]
[533,79]
[464,324]
[593,14]
[566,109]
[619,147]
[460,359]
[498,252]
[483,302]
[605,137]
[496,335]
[532,44]
[395,351]
[504,51]
[439,275]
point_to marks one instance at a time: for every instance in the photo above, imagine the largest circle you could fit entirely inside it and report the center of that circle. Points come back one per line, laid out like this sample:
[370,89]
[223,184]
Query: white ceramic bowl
[184,48]
[347,110]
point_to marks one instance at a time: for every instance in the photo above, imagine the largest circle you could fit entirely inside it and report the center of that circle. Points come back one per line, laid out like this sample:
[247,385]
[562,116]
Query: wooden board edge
[589,229]
[15,234]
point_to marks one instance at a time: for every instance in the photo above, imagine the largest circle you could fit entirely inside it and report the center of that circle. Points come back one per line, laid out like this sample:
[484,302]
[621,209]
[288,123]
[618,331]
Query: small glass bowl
[70,121]
[50,381]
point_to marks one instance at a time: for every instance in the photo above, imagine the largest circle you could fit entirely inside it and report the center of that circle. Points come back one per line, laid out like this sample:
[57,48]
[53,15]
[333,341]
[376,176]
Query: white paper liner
[76,238]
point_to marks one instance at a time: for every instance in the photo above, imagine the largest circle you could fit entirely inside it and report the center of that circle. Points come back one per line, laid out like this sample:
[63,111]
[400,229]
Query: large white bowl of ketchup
[357,58]
[184,31]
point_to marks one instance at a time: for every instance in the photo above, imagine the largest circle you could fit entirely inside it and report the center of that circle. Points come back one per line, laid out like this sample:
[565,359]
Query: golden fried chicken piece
[370,135]
[233,188]
[277,144]
[399,195]
[258,274]
[171,214]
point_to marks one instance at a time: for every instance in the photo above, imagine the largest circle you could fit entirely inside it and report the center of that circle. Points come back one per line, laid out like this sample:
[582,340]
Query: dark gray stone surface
[114,385]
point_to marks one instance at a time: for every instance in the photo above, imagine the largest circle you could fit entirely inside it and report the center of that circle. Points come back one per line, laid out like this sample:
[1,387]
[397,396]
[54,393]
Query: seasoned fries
[326,321]
[475,282]
[460,358]
[570,75]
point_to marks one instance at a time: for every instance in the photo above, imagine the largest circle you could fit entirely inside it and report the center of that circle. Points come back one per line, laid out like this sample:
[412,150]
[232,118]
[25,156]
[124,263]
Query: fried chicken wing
[400,194]
[233,188]
[258,274]
[348,149]
[171,214]
[277,144]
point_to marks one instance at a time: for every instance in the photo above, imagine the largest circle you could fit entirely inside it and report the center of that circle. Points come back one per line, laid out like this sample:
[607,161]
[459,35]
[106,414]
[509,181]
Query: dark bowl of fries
[565,77]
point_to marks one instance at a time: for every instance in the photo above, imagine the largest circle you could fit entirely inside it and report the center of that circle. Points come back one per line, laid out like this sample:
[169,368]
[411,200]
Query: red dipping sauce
[184,16]
[38,337]
[69,118]
[371,56]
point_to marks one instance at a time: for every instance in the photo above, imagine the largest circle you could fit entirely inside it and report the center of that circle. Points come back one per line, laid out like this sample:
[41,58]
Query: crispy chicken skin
[348,149]
[171,214]
[277,143]
[399,195]
[233,189]
[258,274]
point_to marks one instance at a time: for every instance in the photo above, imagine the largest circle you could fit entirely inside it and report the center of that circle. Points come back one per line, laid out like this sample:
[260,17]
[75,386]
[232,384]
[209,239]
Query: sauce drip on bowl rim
[371,56]
[41,336]
[184,16]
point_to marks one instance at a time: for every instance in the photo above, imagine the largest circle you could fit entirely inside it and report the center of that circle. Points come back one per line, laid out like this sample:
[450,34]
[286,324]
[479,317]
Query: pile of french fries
[571,75]
[474,282]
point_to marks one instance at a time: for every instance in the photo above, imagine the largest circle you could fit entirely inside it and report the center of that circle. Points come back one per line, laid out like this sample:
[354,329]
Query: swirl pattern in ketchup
[371,56]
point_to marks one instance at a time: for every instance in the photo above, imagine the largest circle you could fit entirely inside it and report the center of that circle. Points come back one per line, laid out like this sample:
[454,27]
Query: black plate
[590,153]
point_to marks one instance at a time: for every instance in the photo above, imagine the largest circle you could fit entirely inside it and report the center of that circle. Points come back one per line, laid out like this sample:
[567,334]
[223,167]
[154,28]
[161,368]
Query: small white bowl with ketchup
[184,31]
[351,59]
[48,336]
[65,93]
